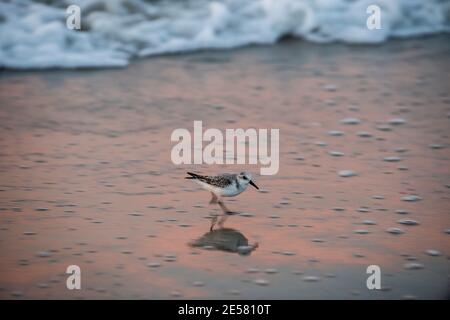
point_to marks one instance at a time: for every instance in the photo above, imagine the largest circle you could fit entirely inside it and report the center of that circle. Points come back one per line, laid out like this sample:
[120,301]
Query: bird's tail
[192,176]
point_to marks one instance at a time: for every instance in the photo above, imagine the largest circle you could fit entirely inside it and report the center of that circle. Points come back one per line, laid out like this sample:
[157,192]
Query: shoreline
[87,179]
[288,40]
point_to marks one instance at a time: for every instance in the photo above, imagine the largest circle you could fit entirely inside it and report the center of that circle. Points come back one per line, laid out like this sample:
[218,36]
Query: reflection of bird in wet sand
[225,239]
[223,185]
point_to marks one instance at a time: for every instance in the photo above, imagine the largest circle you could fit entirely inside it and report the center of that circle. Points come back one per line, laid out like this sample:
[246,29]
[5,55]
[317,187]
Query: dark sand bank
[86,176]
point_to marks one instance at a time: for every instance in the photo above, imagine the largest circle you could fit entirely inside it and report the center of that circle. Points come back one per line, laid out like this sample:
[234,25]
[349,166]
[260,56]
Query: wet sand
[86,176]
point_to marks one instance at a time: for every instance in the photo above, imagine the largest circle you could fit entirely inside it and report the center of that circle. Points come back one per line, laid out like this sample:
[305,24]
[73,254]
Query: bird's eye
[245,178]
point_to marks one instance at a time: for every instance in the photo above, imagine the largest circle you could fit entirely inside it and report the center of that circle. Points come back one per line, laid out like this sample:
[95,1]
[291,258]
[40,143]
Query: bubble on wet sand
[409,297]
[401,211]
[271,270]
[252,270]
[369,222]
[353,108]
[396,121]
[361,231]
[329,87]
[17,293]
[400,150]
[44,254]
[392,159]
[170,257]
[135,214]
[413,266]
[408,222]
[317,240]
[394,230]
[437,146]
[335,153]
[433,253]
[29,233]
[23,262]
[347,173]
[350,121]
[335,133]
[355,292]
[261,282]
[311,278]
[384,128]
[411,198]
[364,134]
[176,294]
[153,264]
[198,284]
[246,214]
[41,209]
[234,292]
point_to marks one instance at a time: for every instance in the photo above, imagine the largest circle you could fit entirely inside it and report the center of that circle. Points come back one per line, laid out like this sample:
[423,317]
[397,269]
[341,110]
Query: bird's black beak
[253,184]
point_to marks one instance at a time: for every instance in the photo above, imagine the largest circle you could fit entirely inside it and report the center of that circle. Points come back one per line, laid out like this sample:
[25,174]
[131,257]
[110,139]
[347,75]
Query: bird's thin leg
[222,220]
[213,223]
[214,198]
[224,208]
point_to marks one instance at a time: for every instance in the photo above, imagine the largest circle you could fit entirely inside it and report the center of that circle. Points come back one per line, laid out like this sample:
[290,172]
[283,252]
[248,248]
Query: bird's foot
[213,223]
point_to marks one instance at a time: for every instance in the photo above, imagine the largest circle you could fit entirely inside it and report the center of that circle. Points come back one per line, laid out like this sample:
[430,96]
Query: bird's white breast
[232,190]
[229,191]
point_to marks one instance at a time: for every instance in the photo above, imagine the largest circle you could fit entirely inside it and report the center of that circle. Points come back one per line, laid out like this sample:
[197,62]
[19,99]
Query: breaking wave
[33,33]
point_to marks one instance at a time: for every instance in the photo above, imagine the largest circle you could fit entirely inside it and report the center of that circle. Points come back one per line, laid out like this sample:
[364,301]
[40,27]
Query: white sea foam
[33,34]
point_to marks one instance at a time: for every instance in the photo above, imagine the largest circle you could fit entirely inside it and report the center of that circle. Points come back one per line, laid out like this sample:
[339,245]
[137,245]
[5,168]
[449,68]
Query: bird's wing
[221,181]
[217,181]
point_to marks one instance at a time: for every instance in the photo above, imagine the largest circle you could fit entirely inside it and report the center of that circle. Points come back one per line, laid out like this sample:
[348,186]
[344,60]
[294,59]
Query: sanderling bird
[223,185]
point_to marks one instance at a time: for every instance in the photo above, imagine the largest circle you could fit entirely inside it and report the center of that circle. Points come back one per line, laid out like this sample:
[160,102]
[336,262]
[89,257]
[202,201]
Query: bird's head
[245,178]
